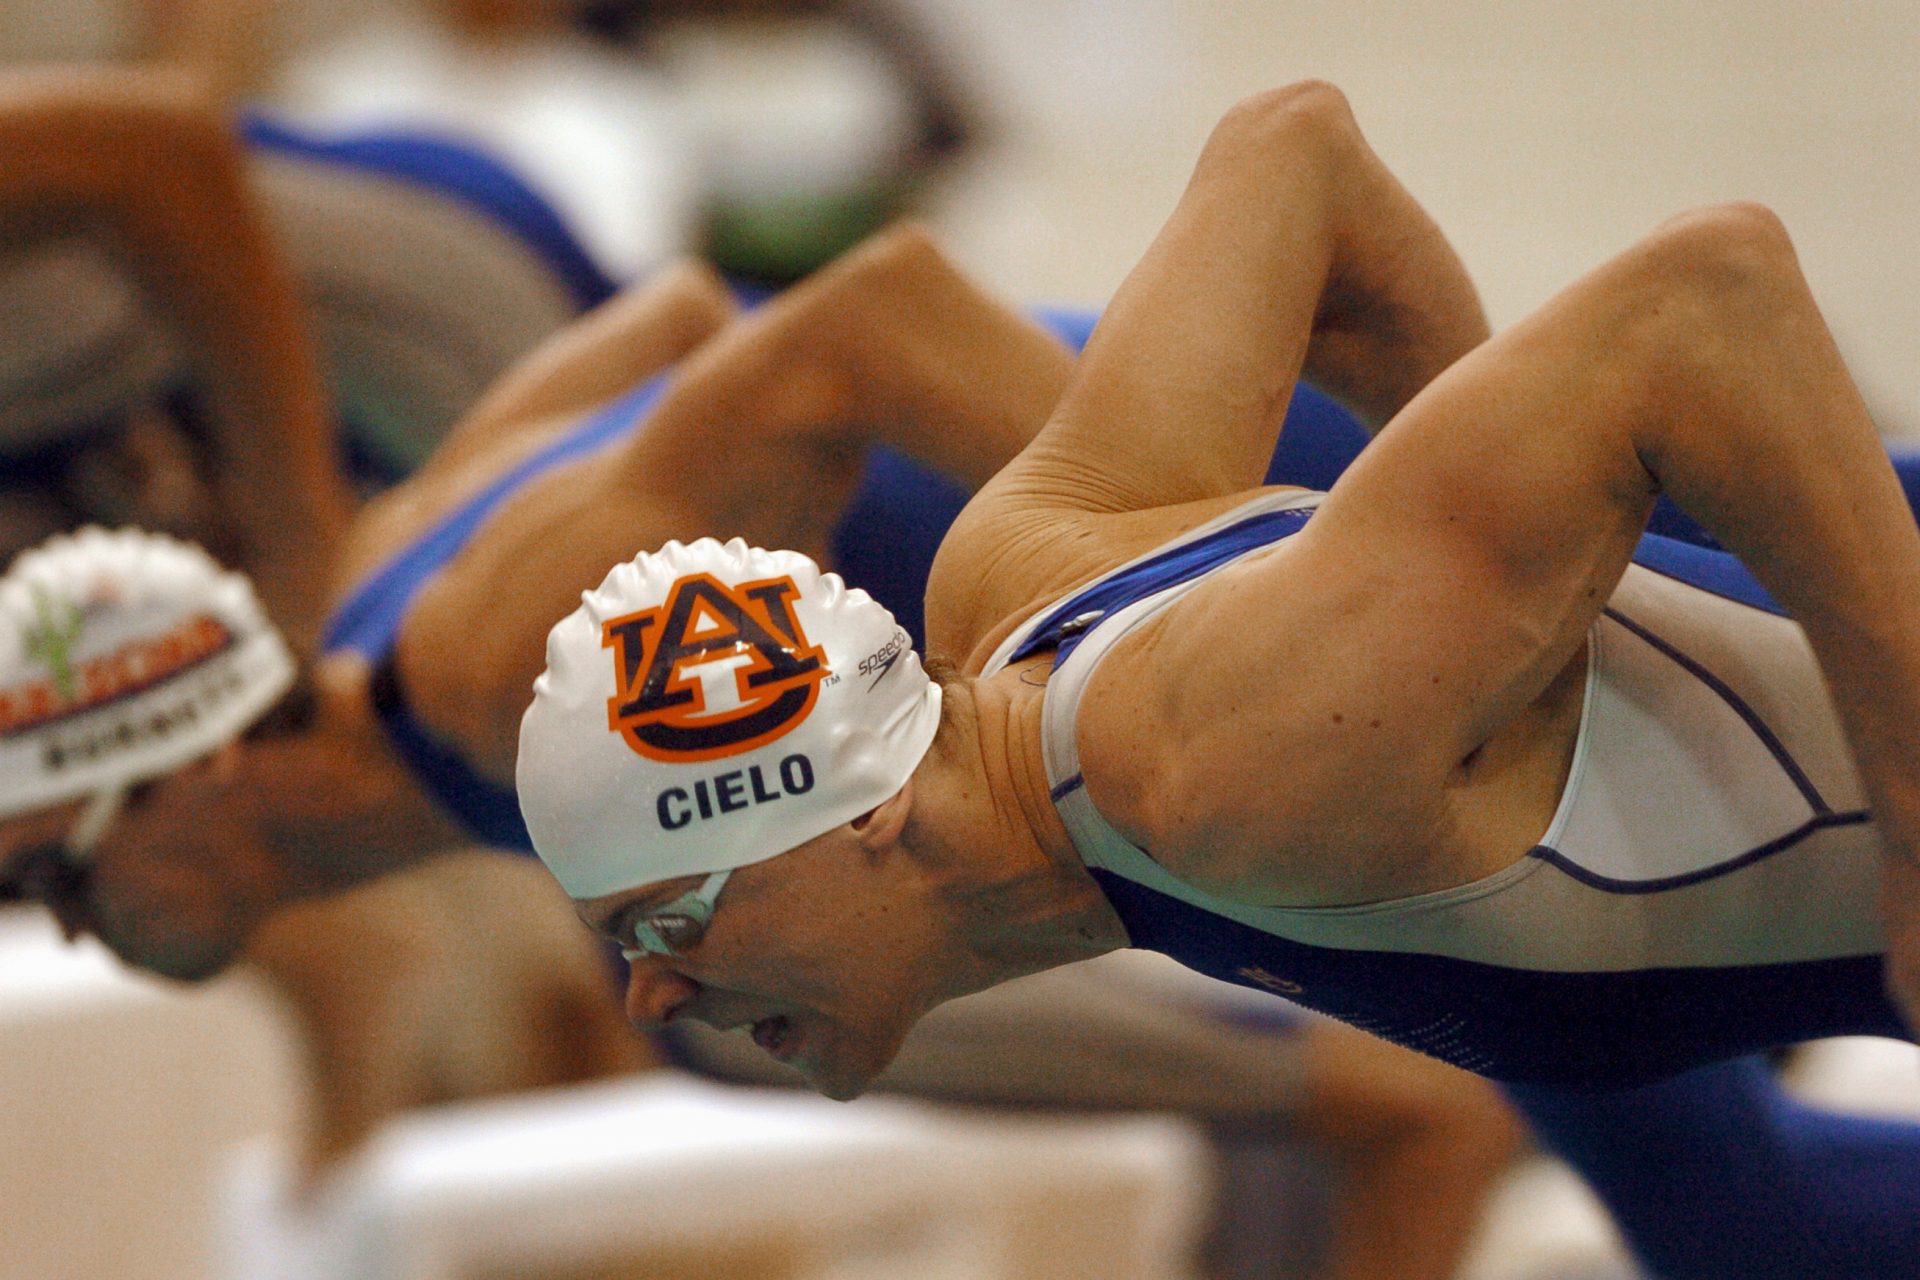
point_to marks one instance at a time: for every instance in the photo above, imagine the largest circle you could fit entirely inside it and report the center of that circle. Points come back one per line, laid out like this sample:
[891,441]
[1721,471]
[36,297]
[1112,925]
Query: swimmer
[411,709]
[1282,783]
[213,310]
[416,270]
[1449,753]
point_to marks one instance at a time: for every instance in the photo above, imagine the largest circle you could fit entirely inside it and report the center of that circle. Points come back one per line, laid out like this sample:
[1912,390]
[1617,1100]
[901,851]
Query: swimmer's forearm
[928,361]
[271,417]
[164,168]
[1398,306]
[640,332]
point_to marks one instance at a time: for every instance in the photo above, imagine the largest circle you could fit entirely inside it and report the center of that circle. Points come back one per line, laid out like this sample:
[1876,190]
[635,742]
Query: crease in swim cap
[709,706]
[124,656]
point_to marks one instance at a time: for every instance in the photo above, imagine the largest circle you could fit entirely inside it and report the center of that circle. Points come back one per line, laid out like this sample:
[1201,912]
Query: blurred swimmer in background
[332,785]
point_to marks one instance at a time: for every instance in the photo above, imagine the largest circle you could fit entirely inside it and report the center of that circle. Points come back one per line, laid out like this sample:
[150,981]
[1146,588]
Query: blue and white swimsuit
[1791,1193]
[1706,888]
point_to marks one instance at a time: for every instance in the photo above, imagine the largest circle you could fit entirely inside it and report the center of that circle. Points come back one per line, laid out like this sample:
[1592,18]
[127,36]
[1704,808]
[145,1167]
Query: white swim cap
[709,707]
[123,657]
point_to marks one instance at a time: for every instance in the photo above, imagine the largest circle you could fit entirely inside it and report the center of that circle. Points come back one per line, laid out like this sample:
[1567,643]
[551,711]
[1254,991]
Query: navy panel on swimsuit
[1524,1020]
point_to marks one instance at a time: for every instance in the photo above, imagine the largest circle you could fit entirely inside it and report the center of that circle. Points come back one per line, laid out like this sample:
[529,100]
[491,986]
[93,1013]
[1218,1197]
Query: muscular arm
[1292,250]
[891,343]
[1293,234]
[165,172]
[1455,569]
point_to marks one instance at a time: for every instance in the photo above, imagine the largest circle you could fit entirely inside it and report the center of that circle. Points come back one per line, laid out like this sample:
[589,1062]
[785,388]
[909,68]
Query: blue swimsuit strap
[368,620]
[1057,629]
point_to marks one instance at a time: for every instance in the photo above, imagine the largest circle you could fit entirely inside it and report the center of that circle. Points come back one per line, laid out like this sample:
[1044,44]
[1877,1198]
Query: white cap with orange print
[710,706]
[124,656]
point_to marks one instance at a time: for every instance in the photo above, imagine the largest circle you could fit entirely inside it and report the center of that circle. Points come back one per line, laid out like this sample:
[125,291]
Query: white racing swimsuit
[1706,888]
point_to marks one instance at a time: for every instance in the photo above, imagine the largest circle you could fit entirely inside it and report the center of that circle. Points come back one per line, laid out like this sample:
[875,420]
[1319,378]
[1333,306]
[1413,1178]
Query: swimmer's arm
[892,344]
[1292,248]
[1454,571]
[642,331]
[936,366]
[1292,245]
[1397,307]
[162,167]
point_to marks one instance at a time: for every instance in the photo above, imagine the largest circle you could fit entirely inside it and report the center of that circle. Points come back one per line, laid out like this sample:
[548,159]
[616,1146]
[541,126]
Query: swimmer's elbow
[907,244]
[1309,118]
[901,258]
[1315,104]
[699,291]
[682,307]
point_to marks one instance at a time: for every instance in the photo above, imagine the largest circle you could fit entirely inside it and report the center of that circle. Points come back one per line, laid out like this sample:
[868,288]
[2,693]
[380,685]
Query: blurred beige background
[1543,134]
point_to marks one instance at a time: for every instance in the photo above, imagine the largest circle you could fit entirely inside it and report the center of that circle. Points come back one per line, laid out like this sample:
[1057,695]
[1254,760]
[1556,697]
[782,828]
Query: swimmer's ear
[883,824]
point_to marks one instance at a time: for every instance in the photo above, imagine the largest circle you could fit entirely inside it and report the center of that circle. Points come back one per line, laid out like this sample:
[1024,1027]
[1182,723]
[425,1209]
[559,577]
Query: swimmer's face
[175,885]
[820,954]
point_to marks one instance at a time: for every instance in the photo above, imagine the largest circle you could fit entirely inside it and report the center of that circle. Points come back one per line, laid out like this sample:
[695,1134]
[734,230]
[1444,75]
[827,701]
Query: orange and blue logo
[714,671]
[78,686]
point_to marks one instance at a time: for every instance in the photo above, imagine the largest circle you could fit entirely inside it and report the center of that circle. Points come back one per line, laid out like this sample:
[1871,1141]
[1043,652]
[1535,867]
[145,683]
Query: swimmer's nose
[656,994]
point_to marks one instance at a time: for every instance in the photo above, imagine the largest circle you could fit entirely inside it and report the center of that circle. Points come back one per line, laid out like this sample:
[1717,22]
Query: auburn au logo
[714,671]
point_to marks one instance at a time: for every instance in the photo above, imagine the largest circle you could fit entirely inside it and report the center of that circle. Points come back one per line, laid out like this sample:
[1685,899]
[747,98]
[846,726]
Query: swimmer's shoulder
[1200,737]
[997,568]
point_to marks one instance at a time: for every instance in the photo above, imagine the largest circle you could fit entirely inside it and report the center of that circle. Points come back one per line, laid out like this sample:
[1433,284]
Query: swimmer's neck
[985,824]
